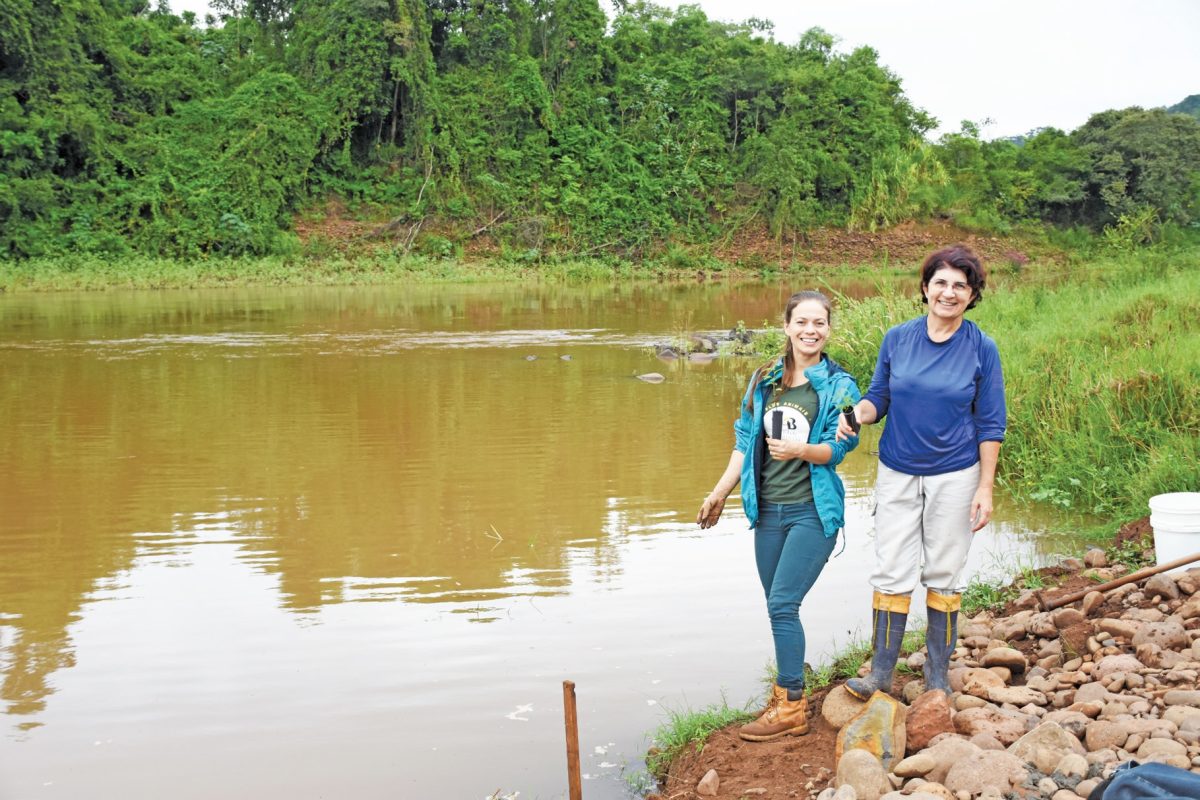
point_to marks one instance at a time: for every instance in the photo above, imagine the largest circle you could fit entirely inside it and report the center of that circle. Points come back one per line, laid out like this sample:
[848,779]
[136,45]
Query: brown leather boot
[782,717]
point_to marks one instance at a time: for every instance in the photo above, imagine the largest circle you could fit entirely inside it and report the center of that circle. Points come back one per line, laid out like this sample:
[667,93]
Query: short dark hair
[959,257]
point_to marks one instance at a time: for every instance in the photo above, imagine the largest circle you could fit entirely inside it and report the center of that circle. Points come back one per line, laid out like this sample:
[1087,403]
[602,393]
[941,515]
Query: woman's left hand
[786,451]
[981,508]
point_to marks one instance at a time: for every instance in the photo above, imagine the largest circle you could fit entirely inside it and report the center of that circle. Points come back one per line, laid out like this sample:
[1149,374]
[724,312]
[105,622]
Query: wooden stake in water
[572,740]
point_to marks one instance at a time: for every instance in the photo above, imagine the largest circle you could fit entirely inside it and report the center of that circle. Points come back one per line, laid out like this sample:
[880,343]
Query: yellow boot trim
[946,603]
[943,602]
[898,603]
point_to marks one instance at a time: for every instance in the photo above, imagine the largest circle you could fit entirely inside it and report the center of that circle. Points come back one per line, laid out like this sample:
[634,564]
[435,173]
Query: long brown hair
[789,361]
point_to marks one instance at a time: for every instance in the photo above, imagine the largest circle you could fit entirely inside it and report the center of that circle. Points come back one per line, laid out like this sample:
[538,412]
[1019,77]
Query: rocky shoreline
[1044,704]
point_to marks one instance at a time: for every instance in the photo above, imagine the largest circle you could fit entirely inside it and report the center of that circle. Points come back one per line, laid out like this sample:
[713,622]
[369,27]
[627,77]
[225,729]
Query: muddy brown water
[317,543]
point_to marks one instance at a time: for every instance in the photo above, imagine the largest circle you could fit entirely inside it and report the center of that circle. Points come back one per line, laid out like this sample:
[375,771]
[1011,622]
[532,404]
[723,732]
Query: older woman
[785,454]
[938,382]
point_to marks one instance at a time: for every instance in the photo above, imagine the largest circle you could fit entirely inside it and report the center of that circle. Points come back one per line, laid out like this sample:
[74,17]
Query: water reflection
[312,527]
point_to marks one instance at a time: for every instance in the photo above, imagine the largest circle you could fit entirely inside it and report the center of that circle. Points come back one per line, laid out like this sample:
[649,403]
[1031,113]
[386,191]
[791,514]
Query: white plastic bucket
[1175,518]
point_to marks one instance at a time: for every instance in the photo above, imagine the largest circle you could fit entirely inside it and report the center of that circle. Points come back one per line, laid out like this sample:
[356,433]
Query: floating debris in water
[531,358]
[651,377]
[565,358]
[524,708]
[651,702]
[599,750]
[607,765]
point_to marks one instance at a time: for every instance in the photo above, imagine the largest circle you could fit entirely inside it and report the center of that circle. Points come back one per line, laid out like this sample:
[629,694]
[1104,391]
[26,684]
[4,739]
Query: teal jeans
[790,548]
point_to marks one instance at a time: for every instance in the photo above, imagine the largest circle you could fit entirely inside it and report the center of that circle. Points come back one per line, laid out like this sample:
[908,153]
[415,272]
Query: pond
[348,542]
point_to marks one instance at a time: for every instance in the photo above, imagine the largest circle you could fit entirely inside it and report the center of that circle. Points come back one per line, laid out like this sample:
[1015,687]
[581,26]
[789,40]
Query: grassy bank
[89,274]
[1102,375]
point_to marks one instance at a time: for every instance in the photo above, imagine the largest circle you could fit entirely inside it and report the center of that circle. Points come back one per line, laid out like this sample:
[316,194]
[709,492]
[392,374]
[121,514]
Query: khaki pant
[922,530]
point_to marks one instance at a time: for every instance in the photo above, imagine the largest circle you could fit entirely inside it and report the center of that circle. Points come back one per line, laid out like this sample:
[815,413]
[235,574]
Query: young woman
[784,456]
[938,381]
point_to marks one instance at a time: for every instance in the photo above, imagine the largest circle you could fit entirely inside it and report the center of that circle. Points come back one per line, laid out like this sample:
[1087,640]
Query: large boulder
[1045,746]
[928,716]
[989,768]
[877,728]
[1007,726]
[861,770]
[839,707]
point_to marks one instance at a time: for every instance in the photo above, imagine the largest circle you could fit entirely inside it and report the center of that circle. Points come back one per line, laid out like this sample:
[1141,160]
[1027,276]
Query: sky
[1022,64]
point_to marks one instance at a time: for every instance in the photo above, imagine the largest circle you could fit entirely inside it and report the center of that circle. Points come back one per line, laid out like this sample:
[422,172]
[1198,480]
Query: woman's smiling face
[807,329]
[948,293]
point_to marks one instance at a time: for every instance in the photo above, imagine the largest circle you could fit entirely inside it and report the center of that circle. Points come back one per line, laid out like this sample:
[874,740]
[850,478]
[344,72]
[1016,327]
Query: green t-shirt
[789,481]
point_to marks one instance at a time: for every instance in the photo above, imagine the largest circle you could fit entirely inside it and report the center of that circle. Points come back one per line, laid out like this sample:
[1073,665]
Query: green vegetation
[542,127]
[689,728]
[1102,375]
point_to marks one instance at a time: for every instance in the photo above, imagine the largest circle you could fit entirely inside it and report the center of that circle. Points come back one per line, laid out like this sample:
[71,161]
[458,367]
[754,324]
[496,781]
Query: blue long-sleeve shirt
[941,399]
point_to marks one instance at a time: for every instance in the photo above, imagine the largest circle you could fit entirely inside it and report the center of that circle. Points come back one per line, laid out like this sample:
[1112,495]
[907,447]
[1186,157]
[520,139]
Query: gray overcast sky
[1021,63]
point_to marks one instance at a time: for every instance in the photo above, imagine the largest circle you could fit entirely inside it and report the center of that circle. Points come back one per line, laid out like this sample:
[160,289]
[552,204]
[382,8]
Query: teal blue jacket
[835,387]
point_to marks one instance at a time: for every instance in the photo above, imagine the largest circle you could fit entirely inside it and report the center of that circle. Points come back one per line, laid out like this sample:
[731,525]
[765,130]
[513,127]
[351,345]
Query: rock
[985,741]
[978,682]
[651,377]
[1045,746]
[1103,734]
[1016,695]
[1119,663]
[1064,794]
[932,791]
[840,707]
[928,716]
[702,358]
[1182,697]
[1066,617]
[1008,630]
[1168,635]
[912,690]
[946,753]
[1085,788]
[1072,765]
[1043,625]
[1073,722]
[1007,726]
[965,701]
[956,676]
[1091,601]
[1090,693]
[1047,787]
[1185,716]
[877,728]
[990,768]
[1162,584]
[1160,747]
[1027,599]
[916,766]
[843,792]
[861,770]
[1124,628]
[1095,557]
[709,784]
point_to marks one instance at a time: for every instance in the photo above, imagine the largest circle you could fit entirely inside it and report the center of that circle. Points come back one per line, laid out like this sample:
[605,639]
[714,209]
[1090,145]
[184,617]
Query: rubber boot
[783,717]
[889,614]
[940,638]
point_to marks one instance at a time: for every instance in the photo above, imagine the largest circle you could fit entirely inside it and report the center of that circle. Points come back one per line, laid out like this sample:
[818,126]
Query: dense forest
[129,129]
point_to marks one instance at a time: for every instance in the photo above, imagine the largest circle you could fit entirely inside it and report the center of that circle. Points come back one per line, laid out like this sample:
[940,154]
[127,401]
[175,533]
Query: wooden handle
[1113,584]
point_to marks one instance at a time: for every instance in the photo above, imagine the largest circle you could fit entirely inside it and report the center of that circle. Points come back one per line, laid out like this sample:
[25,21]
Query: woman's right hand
[710,512]
[845,430]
